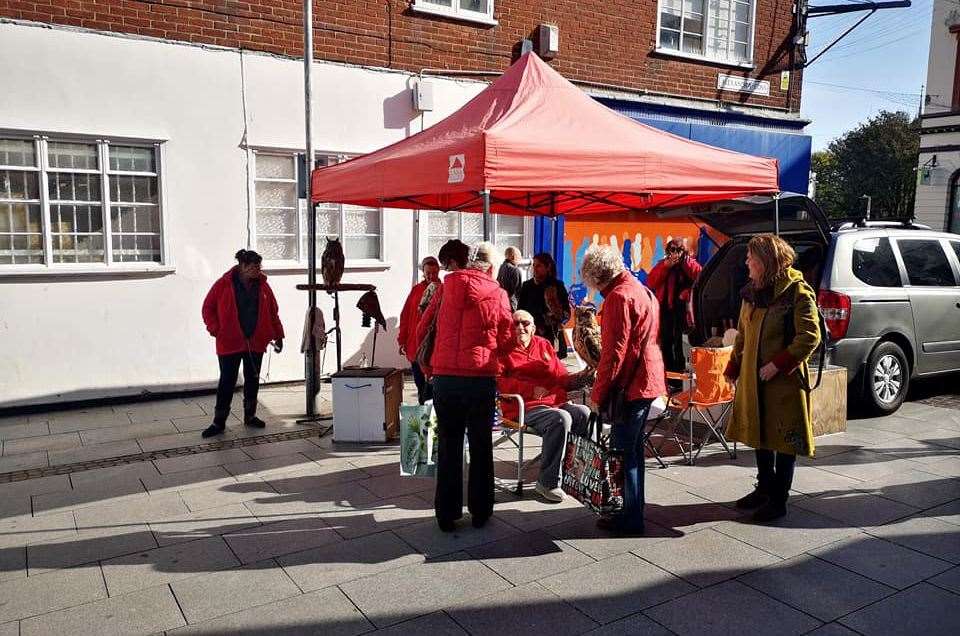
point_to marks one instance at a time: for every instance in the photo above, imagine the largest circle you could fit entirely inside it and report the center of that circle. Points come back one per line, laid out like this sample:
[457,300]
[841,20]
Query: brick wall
[607,41]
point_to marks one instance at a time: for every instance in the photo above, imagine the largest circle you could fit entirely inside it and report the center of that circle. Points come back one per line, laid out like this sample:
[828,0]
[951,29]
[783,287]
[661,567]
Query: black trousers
[775,473]
[424,387]
[671,338]
[464,404]
[229,370]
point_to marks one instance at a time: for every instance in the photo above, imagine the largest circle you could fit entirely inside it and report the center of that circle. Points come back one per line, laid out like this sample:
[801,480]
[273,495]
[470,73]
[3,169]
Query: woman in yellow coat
[778,330]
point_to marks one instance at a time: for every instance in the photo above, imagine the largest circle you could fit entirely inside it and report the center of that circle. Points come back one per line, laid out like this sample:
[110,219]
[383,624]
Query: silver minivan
[889,292]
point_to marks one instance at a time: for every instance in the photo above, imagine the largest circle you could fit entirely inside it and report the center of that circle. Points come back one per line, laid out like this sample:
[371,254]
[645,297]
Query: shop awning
[541,146]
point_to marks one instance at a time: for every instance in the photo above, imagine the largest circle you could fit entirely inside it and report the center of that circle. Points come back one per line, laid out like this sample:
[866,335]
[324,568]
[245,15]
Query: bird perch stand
[334,290]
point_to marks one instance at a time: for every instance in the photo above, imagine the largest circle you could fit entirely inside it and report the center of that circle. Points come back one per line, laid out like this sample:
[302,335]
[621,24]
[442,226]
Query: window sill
[48,273]
[282,268]
[476,18]
[703,58]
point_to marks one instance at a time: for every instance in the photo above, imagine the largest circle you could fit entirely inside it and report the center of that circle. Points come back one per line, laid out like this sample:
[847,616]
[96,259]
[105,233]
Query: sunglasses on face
[525,323]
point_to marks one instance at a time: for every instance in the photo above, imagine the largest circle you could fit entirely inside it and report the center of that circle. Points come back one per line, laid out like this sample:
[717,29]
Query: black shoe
[606,523]
[254,422]
[771,511]
[446,526]
[755,499]
[479,522]
[609,524]
[213,429]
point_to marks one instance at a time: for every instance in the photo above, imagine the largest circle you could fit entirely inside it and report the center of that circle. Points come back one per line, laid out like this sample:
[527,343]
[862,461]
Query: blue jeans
[627,436]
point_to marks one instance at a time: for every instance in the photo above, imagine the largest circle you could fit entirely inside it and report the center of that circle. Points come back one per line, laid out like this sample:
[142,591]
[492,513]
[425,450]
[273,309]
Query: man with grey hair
[630,371]
[531,369]
[509,276]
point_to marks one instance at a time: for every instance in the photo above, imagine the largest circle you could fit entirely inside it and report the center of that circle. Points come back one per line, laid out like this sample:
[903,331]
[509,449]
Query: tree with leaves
[879,159]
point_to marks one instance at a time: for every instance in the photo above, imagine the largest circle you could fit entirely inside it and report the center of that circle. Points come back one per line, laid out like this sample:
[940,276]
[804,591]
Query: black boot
[775,508]
[250,416]
[755,499]
[219,424]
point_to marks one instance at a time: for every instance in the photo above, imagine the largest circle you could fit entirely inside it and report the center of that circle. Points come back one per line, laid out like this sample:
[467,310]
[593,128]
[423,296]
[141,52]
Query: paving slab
[707,557]
[531,513]
[13,563]
[10,430]
[729,608]
[210,522]
[113,475]
[160,410]
[165,565]
[377,517]
[948,467]
[857,509]
[226,494]
[10,629]
[431,541]
[636,625]
[23,530]
[37,486]
[326,612]
[44,593]
[219,593]
[922,609]
[529,557]
[338,498]
[261,468]
[915,488]
[387,486]
[529,609]
[143,612]
[881,560]
[832,629]
[949,512]
[582,533]
[106,492]
[685,512]
[131,431]
[316,474]
[197,423]
[209,476]
[616,587]
[864,464]
[89,546]
[174,440]
[794,534]
[200,460]
[949,580]
[924,534]
[817,587]
[276,539]
[106,450]
[72,421]
[393,596]
[347,561]
[24,461]
[140,511]
[435,624]
[813,481]
[277,449]
[42,443]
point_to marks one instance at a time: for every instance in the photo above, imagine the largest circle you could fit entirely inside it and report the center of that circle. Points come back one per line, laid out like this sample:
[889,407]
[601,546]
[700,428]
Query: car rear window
[926,263]
[956,248]
[874,264]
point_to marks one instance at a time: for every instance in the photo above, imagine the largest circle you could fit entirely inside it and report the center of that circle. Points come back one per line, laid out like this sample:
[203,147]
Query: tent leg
[487,219]
[776,214]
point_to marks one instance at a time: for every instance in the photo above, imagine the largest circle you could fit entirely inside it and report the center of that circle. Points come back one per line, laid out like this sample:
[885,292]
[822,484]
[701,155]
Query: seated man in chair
[532,369]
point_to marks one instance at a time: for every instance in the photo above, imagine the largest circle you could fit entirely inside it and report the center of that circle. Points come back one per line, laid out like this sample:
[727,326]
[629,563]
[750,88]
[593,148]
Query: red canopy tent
[532,143]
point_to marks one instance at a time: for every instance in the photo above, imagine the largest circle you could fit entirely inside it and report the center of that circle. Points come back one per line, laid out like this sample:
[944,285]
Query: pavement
[284,532]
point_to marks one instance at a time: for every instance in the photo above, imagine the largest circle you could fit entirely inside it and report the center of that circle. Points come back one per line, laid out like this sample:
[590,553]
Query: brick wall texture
[606,41]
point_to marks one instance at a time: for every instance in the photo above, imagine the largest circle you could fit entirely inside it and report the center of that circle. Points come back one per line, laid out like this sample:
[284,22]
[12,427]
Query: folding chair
[512,431]
[708,392]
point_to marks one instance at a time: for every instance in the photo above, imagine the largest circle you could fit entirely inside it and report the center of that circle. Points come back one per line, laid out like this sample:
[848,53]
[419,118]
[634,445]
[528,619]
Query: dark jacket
[223,321]
[510,280]
[532,298]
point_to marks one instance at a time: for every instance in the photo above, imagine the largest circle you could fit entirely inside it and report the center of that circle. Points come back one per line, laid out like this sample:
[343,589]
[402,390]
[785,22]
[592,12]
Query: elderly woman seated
[532,369]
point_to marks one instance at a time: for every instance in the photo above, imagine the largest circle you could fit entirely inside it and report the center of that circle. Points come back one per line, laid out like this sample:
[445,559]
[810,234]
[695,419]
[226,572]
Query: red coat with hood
[629,327]
[522,370]
[223,323]
[409,319]
[664,279]
[473,323]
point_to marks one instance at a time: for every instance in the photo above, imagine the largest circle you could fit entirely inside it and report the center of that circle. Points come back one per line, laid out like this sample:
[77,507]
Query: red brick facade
[606,41]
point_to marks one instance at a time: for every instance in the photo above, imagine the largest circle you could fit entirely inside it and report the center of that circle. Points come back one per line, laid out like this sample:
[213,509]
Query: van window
[926,263]
[874,264]
[956,248]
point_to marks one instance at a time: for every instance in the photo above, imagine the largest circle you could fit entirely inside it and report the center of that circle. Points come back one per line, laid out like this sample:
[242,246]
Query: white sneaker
[553,495]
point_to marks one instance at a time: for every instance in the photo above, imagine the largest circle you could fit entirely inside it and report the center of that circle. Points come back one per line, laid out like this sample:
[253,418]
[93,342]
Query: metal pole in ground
[310,360]
[487,218]
[776,214]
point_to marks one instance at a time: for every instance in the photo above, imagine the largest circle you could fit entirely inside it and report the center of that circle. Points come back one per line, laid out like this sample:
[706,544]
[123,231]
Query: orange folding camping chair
[706,401]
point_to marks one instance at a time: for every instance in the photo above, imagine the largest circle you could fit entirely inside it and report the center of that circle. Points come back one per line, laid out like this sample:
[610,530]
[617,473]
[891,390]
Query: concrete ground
[304,536]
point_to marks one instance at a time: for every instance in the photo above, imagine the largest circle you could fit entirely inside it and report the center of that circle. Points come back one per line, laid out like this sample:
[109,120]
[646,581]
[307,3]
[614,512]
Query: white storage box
[366,404]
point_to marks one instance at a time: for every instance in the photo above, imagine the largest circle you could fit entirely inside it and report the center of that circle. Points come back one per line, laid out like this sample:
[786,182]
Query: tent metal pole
[487,220]
[776,214]
[310,359]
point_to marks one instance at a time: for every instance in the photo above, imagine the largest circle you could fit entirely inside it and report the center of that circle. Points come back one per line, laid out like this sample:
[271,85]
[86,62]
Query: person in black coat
[509,275]
[545,297]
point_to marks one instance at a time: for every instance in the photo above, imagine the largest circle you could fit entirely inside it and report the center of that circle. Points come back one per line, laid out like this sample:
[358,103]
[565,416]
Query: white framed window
[470,10]
[78,202]
[711,30]
[280,223]
[441,227]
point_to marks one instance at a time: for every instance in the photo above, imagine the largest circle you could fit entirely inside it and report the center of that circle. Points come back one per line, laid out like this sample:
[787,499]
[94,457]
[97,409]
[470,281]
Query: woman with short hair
[778,330]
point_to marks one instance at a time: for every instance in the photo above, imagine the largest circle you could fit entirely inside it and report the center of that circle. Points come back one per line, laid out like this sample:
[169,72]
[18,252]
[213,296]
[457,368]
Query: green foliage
[879,159]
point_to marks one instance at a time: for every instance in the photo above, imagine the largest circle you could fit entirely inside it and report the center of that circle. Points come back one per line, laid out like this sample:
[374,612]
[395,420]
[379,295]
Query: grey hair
[522,313]
[601,264]
[485,256]
[512,254]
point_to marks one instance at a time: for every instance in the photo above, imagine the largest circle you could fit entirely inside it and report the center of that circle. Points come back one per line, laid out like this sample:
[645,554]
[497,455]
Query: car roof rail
[849,223]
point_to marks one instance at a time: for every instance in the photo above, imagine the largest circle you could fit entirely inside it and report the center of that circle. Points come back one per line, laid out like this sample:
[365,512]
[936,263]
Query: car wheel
[887,377]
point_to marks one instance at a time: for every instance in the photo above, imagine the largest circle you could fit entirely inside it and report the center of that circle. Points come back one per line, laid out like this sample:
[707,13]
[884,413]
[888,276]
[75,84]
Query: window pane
[17,152]
[361,247]
[692,26]
[328,220]
[741,32]
[276,222]
[874,263]
[669,20]
[442,224]
[692,43]
[693,6]
[474,5]
[77,233]
[742,12]
[15,184]
[275,167]
[361,220]
[670,40]
[442,3]
[278,248]
[509,224]
[956,248]
[132,159]
[926,263]
[130,189]
[73,156]
[74,186]
[271,194]
[21,235]
[471,226]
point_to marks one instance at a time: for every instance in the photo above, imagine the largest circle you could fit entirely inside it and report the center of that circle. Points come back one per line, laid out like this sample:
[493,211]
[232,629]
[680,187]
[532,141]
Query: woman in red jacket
[630,361]
[409,317]
[241,312]
[672,280]
[472,323]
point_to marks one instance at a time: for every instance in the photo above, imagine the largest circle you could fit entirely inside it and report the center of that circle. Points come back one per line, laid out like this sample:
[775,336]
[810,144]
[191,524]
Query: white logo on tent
[455,172]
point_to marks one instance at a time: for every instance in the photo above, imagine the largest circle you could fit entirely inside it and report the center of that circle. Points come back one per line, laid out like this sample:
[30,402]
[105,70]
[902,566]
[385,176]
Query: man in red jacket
[672,280]
[409,318]
[241,312]
[630,362]
[532,370]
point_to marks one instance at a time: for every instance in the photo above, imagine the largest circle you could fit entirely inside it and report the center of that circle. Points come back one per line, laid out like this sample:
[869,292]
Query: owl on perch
[586,335]
[331,262]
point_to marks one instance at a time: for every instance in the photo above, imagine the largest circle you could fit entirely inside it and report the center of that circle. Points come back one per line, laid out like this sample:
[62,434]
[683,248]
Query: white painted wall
[943,56]
[69,338]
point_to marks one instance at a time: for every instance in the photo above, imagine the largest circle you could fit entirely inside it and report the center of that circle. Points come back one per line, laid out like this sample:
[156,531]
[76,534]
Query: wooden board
[829,401]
